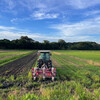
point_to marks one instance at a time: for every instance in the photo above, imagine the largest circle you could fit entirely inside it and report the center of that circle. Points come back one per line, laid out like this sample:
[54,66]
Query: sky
[70,20]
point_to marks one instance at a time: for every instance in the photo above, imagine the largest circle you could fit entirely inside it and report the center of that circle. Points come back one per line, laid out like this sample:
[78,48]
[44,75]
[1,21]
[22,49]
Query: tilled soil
[18,66]
[3,51]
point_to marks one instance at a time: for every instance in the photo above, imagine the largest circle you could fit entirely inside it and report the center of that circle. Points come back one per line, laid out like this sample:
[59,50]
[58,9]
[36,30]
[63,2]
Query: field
[78,76]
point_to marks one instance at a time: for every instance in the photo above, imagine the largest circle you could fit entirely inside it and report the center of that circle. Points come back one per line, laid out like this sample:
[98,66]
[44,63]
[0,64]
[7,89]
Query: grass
[89,55]
[85,73]
[62,91]
[76,80]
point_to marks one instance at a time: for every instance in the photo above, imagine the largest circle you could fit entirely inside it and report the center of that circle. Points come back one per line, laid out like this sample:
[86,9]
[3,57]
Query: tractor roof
[44,51]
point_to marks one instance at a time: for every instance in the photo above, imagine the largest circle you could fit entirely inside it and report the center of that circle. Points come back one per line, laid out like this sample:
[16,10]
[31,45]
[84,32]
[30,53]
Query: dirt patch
[1,58]
[3,51]
[18,66]
[57,53]
[93,63]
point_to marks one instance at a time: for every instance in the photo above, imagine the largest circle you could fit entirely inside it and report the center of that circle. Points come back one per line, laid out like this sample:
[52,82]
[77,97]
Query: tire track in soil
[18,66]
[58,66]
[55,63]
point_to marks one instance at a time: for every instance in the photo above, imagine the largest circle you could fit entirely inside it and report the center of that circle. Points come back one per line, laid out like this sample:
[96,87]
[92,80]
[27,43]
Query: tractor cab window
[44,56]
[47,56]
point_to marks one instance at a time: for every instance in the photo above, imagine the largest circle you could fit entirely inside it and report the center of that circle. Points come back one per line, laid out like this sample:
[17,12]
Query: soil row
[18,66]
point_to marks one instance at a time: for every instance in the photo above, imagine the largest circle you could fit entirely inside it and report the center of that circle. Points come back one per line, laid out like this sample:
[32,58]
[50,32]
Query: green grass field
[76,79]
[89,55]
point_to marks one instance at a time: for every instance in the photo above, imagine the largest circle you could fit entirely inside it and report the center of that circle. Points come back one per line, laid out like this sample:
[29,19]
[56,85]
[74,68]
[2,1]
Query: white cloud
[37,36]
[92,12]
[47,5]
[16,35]
[16,20]
[82,4]
[6,28]
[13,34]
[87,30]
[43,15]
[42,8]
[88,27]
[57,4]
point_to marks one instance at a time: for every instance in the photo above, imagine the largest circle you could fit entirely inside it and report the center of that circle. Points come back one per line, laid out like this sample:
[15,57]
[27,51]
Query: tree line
[27,43]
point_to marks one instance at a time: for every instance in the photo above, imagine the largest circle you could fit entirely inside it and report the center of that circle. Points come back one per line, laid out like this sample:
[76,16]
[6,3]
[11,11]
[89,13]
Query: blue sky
[71,20]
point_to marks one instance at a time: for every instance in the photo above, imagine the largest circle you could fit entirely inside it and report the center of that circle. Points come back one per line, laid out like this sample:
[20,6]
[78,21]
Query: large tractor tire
[40,63]
[49,63]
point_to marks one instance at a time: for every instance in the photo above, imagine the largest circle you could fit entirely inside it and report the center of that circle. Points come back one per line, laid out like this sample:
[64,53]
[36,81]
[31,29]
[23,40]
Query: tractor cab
[44,55]
[44,58]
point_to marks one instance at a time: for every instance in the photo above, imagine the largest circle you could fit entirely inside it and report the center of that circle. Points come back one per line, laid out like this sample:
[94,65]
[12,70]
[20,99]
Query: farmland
[78,76]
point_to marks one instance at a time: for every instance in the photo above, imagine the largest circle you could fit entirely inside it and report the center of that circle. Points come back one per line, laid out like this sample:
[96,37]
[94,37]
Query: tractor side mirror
[38,54]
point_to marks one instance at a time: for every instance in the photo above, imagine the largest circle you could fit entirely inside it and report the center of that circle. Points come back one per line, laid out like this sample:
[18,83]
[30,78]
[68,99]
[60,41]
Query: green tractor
[44,67]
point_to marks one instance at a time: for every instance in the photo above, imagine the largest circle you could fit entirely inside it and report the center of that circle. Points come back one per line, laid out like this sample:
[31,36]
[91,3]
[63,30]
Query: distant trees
[85,46]
[46,44]
[5,44]
[62,44]
[27,43]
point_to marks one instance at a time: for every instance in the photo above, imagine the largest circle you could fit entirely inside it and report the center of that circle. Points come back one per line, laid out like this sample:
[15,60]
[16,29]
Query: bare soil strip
[3,51]
[1,58]
[57,53]
[18,66]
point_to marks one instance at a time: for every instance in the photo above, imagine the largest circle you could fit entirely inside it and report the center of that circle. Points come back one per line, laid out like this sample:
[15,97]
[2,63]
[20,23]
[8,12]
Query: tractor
[44,67]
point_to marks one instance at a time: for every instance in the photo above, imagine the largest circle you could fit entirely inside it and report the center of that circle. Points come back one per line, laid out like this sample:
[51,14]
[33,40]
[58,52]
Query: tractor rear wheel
[50,64]
[40,63]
